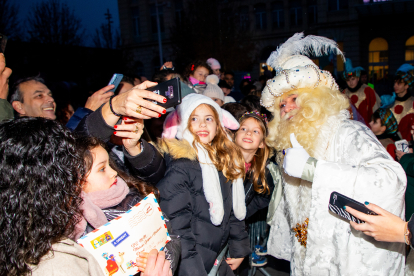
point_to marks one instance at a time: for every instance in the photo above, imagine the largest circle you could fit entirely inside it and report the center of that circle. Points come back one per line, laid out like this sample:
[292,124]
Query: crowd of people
[225,158]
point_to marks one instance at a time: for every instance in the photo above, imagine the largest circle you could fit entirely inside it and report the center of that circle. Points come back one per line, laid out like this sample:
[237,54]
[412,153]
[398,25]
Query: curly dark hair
[39,190]
[86,144]
[193,66]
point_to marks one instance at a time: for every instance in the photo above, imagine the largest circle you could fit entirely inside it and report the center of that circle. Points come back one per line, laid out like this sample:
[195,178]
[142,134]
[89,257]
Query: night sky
[91,13]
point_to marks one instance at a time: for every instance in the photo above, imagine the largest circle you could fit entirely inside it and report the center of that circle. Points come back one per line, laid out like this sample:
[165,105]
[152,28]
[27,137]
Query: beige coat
[67,258]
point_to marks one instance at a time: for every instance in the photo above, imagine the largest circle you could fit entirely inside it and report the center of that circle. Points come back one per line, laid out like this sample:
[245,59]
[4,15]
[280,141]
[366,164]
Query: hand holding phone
[115,80]
[171,90]
[338,201]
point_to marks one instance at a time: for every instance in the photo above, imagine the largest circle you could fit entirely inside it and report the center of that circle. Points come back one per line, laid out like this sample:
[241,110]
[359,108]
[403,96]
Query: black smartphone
[115,80]
[171,90]
[3,42]
[337,202]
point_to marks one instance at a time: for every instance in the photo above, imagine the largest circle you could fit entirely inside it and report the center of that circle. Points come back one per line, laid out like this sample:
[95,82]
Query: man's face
[288,107]
[400,87]
[229,79]
[352,82]
[37,101]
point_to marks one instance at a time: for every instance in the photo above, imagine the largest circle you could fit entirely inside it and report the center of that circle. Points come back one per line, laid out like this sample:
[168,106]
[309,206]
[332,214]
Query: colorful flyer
[117,244]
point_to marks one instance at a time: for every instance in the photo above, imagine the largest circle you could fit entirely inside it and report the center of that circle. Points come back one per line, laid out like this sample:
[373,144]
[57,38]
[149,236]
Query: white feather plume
[310,45]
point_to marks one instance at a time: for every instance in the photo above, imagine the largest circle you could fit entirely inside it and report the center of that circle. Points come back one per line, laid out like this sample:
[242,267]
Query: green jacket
[407,162]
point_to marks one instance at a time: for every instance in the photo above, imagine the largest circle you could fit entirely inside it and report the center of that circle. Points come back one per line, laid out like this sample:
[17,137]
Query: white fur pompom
[212,79]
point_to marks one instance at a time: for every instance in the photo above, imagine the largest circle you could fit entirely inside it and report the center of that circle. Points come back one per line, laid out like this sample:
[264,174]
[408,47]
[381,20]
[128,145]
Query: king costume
[347,158]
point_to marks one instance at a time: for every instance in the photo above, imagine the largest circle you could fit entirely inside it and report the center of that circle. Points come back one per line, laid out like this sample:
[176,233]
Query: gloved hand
[295,158]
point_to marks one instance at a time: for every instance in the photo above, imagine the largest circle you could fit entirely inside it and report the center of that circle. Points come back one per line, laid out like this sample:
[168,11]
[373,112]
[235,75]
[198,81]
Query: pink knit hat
[213,63]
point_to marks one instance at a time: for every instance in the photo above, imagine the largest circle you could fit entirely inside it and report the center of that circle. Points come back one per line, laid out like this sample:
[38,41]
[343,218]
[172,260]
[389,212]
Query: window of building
[336,5]
[296,18]
[409,50]
[178,4]
[260,14]
[378,58]
[312,11]
[153,11]
[135,22]
[244,17]
[278,15]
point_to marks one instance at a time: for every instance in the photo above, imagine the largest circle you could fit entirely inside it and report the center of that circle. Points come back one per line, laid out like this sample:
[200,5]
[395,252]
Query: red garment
[247,166]
[365,108]
[405,126]
[111,266]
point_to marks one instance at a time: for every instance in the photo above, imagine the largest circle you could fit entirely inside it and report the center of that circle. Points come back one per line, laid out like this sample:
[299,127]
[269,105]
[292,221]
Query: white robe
[353,162]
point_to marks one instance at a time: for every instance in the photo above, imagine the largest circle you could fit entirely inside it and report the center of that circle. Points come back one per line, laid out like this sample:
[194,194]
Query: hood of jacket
[177,149]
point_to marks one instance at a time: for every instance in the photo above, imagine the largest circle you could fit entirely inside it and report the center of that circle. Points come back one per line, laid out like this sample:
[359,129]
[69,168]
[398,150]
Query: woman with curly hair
[40,197]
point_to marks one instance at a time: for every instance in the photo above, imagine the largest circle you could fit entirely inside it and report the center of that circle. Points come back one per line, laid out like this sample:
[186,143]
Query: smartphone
[115,80]
[402,145]
[337,202]
[3,42]
[171,90]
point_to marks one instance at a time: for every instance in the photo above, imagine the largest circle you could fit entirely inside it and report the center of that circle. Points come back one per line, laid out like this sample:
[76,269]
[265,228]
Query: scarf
[195,81]
[94,202]
[212,187]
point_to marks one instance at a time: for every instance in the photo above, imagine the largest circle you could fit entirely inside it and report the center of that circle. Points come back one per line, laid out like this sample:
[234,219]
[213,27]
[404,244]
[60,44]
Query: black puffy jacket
[183,200]
[254,200]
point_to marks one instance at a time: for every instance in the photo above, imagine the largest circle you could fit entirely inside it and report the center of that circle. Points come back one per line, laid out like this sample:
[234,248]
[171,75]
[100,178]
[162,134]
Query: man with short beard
[322,151]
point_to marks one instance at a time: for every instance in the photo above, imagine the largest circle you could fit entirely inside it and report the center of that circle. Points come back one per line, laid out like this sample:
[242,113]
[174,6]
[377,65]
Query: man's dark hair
[229,73]
[40,188]
[17,94]
[224,84]
[252,102]
[161,75]
[128,79]
[235,109]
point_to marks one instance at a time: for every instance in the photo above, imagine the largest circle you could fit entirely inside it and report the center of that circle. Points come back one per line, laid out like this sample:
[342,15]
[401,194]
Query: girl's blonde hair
[261,156]
[315,106]
[224,154]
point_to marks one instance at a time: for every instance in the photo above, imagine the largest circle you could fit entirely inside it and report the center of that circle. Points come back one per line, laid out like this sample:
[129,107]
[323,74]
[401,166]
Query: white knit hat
[213,63]
[213,90]
[294,70]
[211,181]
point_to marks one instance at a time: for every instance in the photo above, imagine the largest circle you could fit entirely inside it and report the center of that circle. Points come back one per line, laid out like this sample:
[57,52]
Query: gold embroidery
[301,231]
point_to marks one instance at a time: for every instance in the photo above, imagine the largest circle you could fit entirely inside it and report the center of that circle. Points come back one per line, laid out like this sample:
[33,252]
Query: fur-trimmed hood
[177,148]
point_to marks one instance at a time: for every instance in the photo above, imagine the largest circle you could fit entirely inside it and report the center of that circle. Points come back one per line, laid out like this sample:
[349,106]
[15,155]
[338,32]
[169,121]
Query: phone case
[116,80]
[171,90]
[337,202]
[402,145]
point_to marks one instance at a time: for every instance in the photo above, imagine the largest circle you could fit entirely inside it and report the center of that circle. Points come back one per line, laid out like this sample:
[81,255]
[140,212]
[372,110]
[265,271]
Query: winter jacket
[148,166]
[80,113]
[254,200]
[182,199]
[67,258]
[172,249]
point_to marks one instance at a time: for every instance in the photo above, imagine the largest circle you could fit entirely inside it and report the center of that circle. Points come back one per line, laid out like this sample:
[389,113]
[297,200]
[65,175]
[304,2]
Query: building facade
[375,34]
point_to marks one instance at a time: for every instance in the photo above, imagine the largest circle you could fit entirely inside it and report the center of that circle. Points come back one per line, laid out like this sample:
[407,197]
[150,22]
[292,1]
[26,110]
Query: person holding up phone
[138,158]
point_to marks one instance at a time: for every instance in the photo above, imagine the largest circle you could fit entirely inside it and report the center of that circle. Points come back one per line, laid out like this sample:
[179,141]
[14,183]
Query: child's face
[200,73]
[250,135]
[352,82]
[102,176]
[376,127]
[400,87]
[226,91]
[218,101]
[204,124]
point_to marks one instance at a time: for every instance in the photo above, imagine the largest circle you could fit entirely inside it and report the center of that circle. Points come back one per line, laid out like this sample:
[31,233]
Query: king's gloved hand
[295,158]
